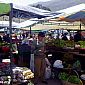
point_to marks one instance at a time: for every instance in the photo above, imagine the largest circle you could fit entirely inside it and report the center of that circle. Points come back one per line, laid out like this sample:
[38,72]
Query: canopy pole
[10,34]
[80,28]
[80,24]
[30,31]
[73,39]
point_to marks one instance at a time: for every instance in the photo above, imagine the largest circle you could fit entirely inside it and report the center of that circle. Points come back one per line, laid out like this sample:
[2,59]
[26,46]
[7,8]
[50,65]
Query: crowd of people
[31,52]
[37,58]
[76,36]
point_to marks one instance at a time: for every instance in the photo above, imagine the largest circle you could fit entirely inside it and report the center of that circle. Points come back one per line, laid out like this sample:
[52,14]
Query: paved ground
[51,82]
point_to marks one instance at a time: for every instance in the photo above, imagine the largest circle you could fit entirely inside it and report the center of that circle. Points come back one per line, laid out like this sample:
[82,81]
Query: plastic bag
[32,62]
[47,62]
[47,72]
[58,64]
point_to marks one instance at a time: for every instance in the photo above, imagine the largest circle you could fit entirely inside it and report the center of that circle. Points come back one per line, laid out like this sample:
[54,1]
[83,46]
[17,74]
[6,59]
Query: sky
[23,2]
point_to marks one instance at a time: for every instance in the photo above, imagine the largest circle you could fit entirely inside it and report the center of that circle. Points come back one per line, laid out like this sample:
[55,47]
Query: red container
[5,49]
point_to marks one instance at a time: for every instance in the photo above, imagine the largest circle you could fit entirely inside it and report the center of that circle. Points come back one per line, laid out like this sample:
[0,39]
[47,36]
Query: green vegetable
[74,79]
[77,65]
[82,44]
[70,78]
[63,76]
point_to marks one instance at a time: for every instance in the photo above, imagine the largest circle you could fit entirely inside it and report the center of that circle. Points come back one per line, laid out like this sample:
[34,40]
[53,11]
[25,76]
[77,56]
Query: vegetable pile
[70,78]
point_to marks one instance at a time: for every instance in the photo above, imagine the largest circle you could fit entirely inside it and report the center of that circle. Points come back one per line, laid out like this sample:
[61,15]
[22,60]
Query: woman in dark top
[78,36]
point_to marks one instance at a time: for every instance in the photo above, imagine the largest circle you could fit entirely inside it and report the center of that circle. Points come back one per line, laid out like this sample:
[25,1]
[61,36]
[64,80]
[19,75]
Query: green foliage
[56,42]
[74,79]
[82,44]
[4,44]
[61,43]
[69,43]
[70,78]
[63,76]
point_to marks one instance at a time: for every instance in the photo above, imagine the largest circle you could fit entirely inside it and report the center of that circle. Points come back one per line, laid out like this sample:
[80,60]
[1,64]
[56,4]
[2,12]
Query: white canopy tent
[26,23]
[6,24]
[2,30]
[62,13]
[50,15]
[55,26]
[31,9]
[73,9]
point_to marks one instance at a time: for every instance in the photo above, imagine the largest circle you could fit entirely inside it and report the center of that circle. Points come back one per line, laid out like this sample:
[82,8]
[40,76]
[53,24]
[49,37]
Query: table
[80,57]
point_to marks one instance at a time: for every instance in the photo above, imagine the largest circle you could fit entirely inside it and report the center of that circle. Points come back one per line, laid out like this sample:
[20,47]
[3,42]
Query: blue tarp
[77,16]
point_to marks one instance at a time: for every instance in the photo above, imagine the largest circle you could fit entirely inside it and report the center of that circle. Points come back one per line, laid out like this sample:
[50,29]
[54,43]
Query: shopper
[1,39]
[39,60]
[24,50]
[65,37]
[78,36]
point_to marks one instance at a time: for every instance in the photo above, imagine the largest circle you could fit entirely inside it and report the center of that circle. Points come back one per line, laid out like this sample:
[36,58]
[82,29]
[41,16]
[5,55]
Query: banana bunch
[28,74]
[22,73]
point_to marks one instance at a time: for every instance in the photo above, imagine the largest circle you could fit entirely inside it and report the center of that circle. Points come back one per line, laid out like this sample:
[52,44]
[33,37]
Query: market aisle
[52,82]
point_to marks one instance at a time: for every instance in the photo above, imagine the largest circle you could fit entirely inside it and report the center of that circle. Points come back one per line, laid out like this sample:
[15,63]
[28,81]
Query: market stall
[10,73]
[71,53]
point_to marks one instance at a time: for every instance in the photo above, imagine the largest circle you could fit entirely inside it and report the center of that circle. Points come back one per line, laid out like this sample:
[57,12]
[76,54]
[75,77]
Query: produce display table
[58,53]
[80,57]
[20,75]
[78,54]
[70,54]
